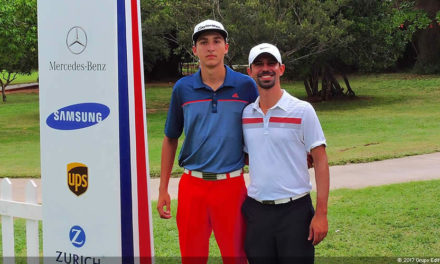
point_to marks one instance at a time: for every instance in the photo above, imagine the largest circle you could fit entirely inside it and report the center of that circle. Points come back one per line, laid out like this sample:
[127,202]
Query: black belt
[282,201]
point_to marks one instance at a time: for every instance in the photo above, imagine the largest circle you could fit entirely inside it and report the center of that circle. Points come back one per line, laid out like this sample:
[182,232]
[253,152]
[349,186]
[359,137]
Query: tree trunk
[350,92]
[315,80]
[337,89]
[323,87]
[3,93]
[327,83]
[328,94]
[307,86]
[330,86]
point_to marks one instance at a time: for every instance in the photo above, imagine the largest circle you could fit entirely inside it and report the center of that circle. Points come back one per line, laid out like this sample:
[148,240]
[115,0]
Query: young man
[207,106]
[279,131]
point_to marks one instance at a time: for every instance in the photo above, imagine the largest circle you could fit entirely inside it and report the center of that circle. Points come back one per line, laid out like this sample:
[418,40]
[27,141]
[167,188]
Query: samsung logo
[78,116]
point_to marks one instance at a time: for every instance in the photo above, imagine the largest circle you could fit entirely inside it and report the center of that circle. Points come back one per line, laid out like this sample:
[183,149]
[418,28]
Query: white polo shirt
[277,144]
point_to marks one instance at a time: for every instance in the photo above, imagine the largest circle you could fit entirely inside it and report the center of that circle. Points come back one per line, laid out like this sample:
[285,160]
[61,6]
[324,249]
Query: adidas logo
[235,95]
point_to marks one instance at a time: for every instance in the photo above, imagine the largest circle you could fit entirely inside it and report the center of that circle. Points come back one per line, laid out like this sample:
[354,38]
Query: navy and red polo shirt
[211,121]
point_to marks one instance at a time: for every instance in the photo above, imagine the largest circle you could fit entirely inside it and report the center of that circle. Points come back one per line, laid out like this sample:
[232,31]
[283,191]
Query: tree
[18,40]
[427,38]
[318,39]
[163,23]
[303,30]
[375,41]
[156,25]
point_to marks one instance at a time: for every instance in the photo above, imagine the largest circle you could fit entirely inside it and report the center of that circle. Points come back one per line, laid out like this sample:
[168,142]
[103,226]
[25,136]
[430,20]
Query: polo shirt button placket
[266,119]
[214,102]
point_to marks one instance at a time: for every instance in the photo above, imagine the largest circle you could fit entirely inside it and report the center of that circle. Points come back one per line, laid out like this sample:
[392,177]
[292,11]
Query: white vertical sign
[94,159]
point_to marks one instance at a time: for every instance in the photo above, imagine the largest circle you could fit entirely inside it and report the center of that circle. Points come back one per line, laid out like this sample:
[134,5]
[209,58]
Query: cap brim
[262,53]
[197,34]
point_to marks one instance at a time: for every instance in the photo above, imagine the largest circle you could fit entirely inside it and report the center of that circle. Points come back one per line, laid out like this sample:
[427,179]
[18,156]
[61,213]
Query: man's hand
[164,201]
[319,225]
[318,229]
[169,147]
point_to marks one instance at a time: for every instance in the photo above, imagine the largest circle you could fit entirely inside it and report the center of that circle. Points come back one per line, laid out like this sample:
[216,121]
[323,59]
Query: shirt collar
[256,104]
[228,82]
[283,103]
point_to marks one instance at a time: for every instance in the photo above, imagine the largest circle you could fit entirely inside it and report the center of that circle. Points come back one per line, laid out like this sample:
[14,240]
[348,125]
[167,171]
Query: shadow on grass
[358,102]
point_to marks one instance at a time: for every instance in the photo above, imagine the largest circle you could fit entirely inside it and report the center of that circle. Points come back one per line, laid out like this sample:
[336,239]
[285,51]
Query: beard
[266,84]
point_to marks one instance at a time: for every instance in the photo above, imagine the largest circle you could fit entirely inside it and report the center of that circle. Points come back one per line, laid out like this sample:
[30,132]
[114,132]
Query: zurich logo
[77,236]
[78,116]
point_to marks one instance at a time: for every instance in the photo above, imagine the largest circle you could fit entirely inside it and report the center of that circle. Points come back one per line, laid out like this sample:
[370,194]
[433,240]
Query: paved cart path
[353,176]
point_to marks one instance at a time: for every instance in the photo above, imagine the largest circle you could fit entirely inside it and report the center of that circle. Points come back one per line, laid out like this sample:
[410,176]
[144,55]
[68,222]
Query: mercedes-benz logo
[76,40]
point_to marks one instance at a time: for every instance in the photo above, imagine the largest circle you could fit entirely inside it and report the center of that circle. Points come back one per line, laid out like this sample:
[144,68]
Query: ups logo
[77,178]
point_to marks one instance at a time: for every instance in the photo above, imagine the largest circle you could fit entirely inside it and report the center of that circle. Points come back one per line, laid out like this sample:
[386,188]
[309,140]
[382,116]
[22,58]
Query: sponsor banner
[94,159]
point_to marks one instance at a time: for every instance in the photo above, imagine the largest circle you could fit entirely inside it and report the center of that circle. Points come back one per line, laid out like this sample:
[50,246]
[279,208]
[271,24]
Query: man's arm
[169,147]
[319,225]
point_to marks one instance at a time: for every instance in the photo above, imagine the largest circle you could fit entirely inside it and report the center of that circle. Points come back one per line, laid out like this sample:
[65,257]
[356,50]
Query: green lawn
[394,115]
[391,221]
[20,136]
[399,220]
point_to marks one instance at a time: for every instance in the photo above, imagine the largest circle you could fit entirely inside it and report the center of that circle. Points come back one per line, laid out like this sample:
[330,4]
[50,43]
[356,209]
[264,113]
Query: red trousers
[205,206]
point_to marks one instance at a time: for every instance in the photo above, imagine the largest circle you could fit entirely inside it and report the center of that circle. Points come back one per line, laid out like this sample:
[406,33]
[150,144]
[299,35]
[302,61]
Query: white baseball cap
[209,25]
[264,48]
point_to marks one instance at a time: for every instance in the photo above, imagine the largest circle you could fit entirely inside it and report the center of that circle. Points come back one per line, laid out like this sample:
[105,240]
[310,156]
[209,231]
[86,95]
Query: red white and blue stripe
[136,222]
